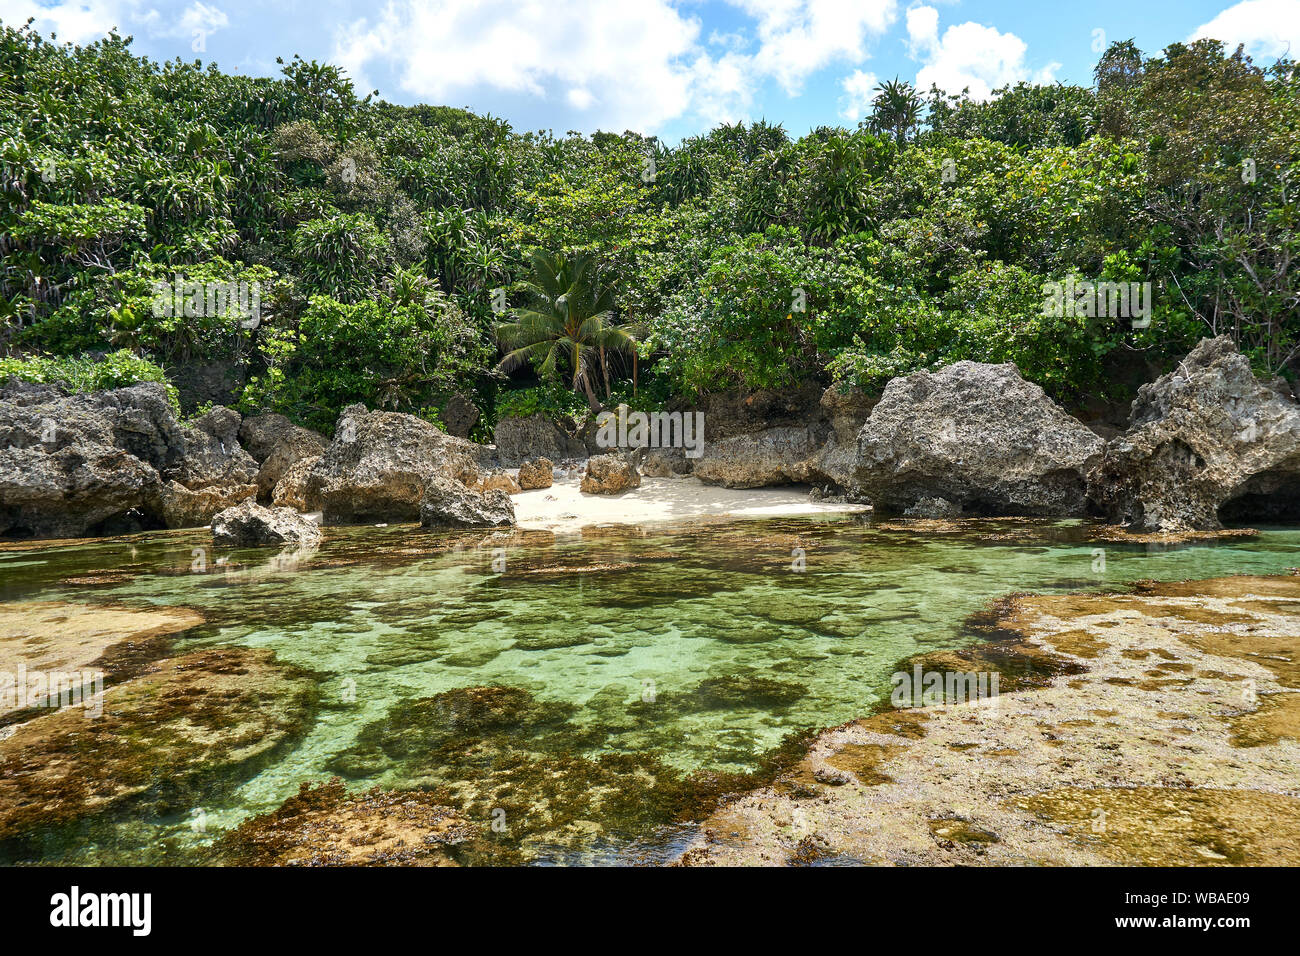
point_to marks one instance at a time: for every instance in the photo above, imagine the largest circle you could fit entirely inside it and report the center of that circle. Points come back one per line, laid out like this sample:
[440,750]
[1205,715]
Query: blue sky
[668,67]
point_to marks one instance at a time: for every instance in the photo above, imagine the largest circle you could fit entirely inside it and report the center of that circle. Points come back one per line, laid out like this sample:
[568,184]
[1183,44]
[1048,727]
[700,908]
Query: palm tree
[566,324]
[896,109]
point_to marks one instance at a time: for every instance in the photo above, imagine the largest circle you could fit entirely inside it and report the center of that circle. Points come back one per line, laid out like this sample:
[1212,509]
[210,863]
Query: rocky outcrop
[448,503]
[380,464]
[521,439]
[663,462]
[291,490]
[277,444]
[538,473]
[1206,438]
[978,436]
[113,461]
[610,475]
[250,525]
[182,508]
[773,456]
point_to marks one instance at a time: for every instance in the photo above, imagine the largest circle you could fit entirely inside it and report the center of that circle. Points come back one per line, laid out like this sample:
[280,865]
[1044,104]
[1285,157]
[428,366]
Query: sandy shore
[562,508]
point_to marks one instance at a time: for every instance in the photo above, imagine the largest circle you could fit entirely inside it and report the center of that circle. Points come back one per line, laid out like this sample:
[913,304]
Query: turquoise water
[694,649]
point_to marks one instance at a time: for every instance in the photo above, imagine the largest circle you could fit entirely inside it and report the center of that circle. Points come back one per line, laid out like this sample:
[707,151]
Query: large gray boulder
[1207,439]
[522,439]
[978,436]
[448,503]
[786,454]
[380,464]
[277,444]
[112,461]
[249,524]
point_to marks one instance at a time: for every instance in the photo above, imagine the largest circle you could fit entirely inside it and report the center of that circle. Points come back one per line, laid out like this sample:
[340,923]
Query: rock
[113,462]
[277,444]
[210,453]
[521,439]
[979,436]
[291,490]
[933,508]
[250,524]
[165,741]
[1206,437]
[66,637]
[449,504]
[328,826]
[380,463]
[498,480]
[459,415]
[774,456]
[182,508]
[610,475]
[663,462]
[538,473]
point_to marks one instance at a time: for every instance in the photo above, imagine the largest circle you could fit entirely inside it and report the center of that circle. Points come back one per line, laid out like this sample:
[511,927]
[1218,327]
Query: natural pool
[623,675]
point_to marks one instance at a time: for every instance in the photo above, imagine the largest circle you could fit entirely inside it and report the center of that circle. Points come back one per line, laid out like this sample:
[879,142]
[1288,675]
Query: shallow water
[696,648]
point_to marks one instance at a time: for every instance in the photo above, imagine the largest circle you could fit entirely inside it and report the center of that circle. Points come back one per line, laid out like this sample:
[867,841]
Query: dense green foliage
[393,247]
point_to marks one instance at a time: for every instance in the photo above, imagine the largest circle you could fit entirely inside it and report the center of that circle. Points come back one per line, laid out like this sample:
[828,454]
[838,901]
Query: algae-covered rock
[328,826]
[165,742]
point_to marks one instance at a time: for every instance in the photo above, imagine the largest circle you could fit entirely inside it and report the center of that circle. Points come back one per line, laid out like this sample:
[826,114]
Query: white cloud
[859,88]
[799,37]
[968,55]
[84,21]
[1268,28]
[630,63]
[624,65]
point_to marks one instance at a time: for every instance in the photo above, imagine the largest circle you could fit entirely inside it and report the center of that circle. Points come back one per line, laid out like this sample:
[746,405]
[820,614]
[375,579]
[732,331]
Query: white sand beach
[563,508]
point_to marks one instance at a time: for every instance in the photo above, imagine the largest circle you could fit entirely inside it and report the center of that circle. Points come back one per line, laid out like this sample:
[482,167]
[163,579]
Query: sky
[670,68]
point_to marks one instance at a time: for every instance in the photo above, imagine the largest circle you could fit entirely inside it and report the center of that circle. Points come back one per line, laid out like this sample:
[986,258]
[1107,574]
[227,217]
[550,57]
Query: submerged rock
[449,504]
[537,473]
[380,464]
[67,638]
[979,436]
[328,826]
[610,475]
[165,742]
[1206,436]
[250,524]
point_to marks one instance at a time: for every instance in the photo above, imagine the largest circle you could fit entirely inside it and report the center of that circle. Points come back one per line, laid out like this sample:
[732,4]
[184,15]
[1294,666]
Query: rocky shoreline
[1158,727]
[1205,443]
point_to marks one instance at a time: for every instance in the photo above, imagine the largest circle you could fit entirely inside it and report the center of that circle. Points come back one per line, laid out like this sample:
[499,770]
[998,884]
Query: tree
[896,110]
[567,323]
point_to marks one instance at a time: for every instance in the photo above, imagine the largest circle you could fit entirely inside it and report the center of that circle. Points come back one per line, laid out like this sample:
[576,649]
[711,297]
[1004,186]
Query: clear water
[696,648]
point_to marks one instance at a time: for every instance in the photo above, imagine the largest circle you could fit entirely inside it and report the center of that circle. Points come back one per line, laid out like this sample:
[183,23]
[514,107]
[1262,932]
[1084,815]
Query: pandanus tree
[566,325]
